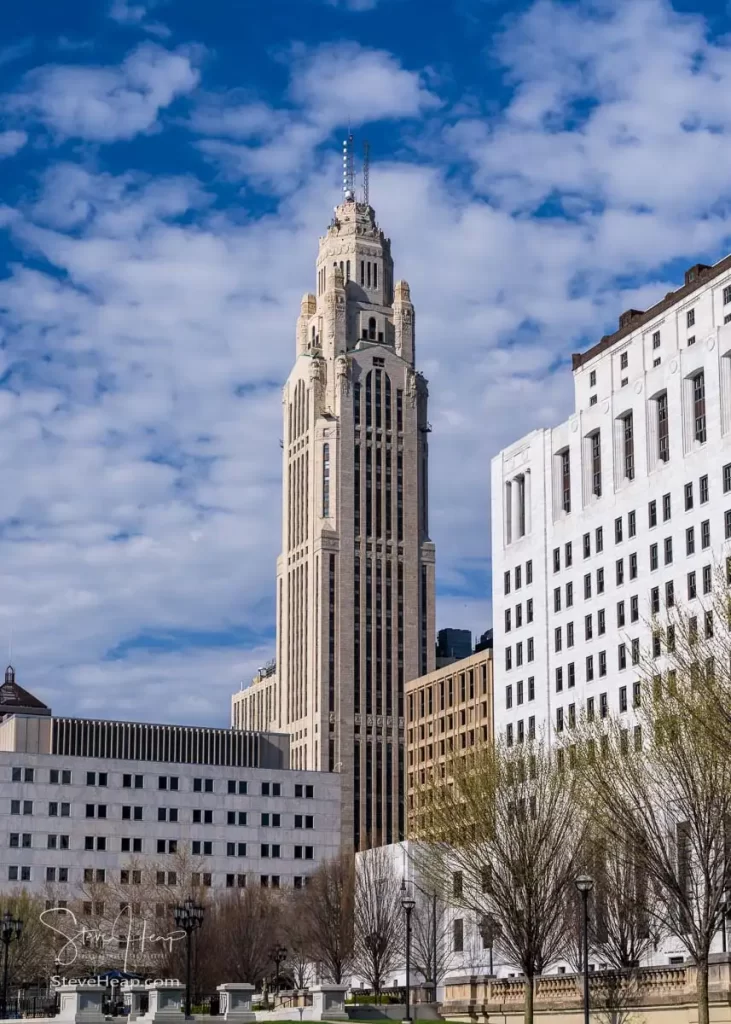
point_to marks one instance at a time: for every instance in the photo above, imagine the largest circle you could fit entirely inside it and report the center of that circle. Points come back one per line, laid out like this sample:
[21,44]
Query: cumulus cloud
[105,104]
[354,5]
[11,142]
[149,327]
[274,147]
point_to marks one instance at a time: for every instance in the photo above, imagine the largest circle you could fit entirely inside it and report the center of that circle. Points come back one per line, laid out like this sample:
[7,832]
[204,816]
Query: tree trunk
[702,990]
[528,1006]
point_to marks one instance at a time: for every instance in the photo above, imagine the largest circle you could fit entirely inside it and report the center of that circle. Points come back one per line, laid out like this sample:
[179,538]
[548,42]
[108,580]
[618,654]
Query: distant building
[80,798]
[447,712]
[485,641]
[453,644]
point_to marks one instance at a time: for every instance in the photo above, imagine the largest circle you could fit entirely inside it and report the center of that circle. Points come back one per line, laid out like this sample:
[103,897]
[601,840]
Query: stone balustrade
[653,995]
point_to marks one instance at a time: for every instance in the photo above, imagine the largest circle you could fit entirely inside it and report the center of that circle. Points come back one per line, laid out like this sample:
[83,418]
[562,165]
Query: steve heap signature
[79,936]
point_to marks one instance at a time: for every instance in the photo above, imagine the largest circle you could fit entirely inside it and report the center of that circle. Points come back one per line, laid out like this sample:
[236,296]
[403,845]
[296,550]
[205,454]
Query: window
[703,489]
[635,652]
[670,594]
[706,533]
[325,480]
[507,620]
[556,559]
[587,586]
[529,610]
[592,379]
[707,579]
[656,339]
[666,510]
[622,698]
[727,295]
[653,557]
[603,705]
[529,572]
[633,566]
[602,663]
[634,608]
[690,318]
[508,658]
[531,649]
[655,600]
[599,539]
[620,613]
[506,581]
[628,446]
[531,688]
[600,581]
[727,478]
[518,577]
[509,735]
[652,514]
[509,696]
[571,675]
[559,719]
[566,481]
[620,571]
[709,624]
[458,935]
[601,622]
[590,709]
[557,633]
[519,692]
[623,360]
[559,679]
[618,530]
[663,435]
[557,599]
[568,554]
[690,541]
[588,627]
[596,463]
[589,668]
[688,497]
[587,545]
[569,634]
[622,656]
[699,407]
[631,524]
[569,595]
[692,589]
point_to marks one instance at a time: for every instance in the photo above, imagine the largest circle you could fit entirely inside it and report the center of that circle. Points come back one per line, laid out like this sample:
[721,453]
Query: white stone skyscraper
[355,579]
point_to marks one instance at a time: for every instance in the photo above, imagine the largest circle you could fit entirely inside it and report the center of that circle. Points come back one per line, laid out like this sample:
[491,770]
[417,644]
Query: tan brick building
[447,712]
[355,579]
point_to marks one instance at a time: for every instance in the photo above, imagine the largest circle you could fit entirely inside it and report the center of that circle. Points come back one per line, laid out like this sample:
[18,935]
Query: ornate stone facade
[355,580]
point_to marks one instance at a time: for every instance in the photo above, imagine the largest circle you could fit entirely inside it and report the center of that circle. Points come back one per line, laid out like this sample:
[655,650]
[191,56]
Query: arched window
[342,267]
[375,275]
[347,271]
[372,329]
[313,334]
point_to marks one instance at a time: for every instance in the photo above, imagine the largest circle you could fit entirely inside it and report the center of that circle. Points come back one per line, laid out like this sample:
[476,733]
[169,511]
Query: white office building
[615,514]
[87,802]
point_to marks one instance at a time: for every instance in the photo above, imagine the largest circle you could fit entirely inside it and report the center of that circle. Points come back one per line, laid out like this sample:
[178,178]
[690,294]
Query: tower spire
[348,169]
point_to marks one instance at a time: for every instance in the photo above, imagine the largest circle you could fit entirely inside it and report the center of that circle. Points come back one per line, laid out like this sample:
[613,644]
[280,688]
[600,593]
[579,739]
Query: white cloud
[328,86]
[126,12]
[11,142]
[141,414]
[105,104]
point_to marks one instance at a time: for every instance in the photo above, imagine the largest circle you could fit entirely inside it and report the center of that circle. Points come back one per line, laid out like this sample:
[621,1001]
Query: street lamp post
[408,903]
[724,915]
[12,928]
[278,954]
[585,884]
[188,917]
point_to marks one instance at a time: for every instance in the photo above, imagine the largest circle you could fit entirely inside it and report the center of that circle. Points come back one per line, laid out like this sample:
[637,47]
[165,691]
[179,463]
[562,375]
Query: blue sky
[166,169]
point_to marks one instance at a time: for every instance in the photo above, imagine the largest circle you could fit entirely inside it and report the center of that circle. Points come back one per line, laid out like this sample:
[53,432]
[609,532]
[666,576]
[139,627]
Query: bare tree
[664,793]
[30,959]
[246,923]
[327,908]
[378,918]
[431,941]
[502,837]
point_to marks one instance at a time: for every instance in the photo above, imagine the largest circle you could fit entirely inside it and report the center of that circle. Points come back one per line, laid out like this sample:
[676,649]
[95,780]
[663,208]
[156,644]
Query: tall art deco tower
[355,579]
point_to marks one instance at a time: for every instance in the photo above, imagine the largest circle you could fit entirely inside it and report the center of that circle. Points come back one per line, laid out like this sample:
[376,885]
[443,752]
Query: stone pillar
[81,1004]
[166,1002]
[132,997]
[328,1002]
[236,1003]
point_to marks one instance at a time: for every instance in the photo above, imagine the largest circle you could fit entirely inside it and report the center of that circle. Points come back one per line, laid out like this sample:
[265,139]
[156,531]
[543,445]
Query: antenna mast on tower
[366,169]
[348,168]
